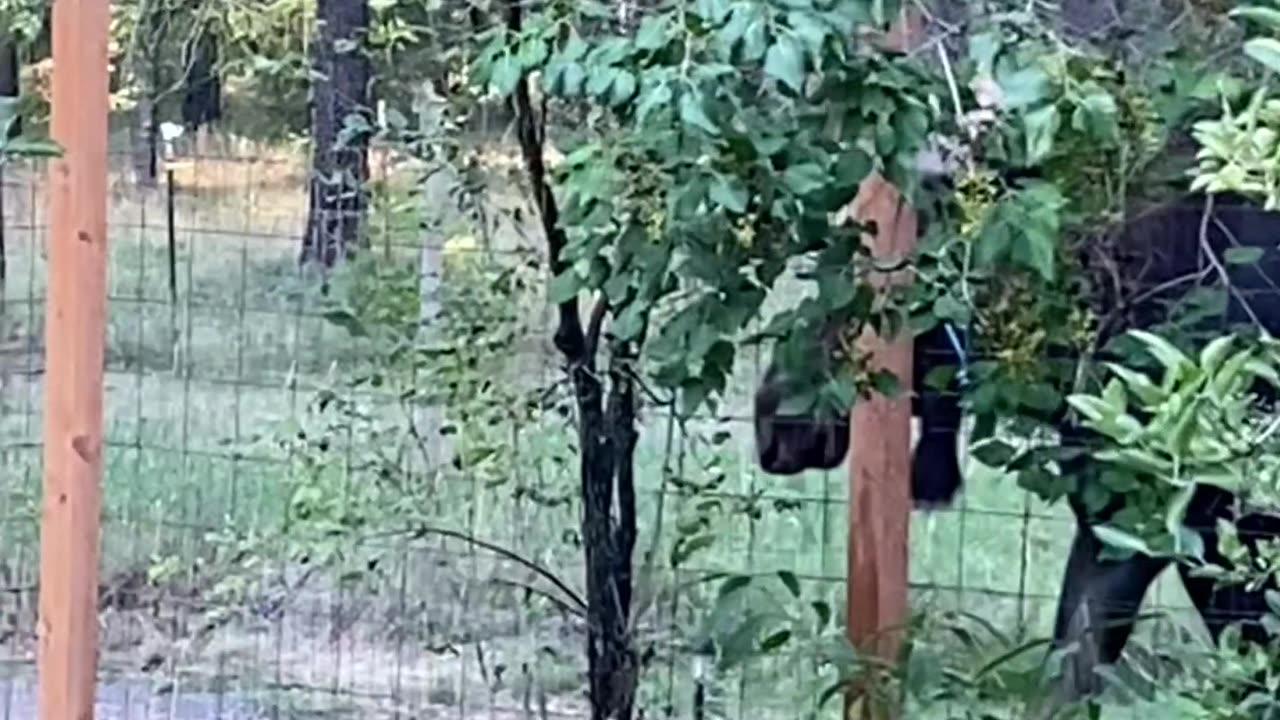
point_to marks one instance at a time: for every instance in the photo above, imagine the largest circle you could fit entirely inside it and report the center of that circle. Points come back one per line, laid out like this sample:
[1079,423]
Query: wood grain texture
[880,445]
[74,348]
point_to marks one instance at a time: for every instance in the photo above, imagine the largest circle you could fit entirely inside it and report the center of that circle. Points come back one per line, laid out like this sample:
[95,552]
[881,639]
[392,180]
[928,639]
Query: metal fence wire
[212,600]
[249,569]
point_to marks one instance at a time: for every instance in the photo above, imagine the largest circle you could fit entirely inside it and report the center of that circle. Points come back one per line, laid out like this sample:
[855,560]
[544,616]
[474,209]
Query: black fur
[1158,256]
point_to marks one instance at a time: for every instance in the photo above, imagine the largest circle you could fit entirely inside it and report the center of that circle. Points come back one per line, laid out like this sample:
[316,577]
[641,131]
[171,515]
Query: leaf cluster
[724,138]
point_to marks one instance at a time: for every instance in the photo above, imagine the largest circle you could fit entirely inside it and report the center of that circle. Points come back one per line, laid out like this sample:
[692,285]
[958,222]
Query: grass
[199,392]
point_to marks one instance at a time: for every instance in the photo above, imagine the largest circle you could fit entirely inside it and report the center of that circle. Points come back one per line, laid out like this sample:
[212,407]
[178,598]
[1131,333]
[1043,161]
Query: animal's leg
[1096,610]
[1221,607]
[935,469]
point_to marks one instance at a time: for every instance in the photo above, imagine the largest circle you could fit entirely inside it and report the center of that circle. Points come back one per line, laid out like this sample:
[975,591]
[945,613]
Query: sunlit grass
[199,391]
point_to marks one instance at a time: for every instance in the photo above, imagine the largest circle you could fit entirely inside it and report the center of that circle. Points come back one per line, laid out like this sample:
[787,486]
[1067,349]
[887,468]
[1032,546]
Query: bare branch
[549,576]
[1217,264]
[594,324]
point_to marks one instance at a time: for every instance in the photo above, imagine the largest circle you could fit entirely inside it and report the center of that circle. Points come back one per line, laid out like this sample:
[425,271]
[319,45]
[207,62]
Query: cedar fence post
[75,310]
[880,448]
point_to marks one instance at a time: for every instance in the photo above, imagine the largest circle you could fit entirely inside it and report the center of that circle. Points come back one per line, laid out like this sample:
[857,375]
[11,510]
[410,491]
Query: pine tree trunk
[337,196]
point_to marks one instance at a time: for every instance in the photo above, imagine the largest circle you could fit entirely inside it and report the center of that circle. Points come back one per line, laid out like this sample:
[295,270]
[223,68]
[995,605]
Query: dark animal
[202,97]
[1161,255]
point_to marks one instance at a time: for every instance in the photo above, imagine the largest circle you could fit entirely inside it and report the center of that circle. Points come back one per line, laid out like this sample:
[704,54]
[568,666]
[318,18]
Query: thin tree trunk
[145,133]
[144,138]
[607,437]
[337,196]
[430,415]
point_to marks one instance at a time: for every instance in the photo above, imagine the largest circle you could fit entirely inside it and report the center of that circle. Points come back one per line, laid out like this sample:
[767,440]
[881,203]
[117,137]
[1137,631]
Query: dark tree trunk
[202,99]
[145,139]
[145,131]
[607,434]
[337,197]
[9,85]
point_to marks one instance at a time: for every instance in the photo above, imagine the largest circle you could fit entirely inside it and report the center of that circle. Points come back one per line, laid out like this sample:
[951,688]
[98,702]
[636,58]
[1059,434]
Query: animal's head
[794,431]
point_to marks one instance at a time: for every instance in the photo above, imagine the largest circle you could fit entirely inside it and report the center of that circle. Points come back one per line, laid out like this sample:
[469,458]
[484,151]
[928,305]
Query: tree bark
[145,131]
[607,435]
[144,138]
[9,84]
[341,122]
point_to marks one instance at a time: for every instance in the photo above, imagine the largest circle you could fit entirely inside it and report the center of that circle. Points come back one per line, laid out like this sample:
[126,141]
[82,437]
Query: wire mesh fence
[266,553]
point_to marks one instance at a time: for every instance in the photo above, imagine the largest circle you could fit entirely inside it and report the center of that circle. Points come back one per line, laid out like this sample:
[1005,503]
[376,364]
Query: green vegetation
[500,460]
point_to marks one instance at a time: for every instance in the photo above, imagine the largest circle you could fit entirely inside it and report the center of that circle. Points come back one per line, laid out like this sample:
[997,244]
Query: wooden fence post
[74,348]
[880,448]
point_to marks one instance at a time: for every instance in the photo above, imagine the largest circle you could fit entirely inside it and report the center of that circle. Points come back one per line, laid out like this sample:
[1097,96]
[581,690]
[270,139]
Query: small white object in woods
[169,132]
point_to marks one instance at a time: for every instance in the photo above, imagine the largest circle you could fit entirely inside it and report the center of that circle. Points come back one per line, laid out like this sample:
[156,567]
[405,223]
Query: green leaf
[755,37]
[733,584]
[1177,512]
[823,611]
[809,28]
[1162,350]
[533,53]
[346,319]
[691,113]
[506,73]
[713,11]
[1273,601]
[1036,249]
[29,148]
[983,47]
[804,178]
[1265,51]
[994,453]
[564,287]
[852,167]
[1215,352]
[574,49]
[1263,15]
[789,579]
[624,87]
[572,78]
[1096,115]
[655,32]
[1041,125]
[657,96]
[600,80]
[947,307]
[784,62]
[1115,396]
[729,193]
[1024,87]
[684,551]
[1138,384]
[1242,255]
[775,641]
[1118,538]
[1139,460]
[1089,406]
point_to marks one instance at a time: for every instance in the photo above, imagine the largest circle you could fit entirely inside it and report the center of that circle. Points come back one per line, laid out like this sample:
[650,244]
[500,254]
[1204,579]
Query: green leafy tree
[722,137]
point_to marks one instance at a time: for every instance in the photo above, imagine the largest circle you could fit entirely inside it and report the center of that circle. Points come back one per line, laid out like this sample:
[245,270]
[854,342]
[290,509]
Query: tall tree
[341,124]
[146,66]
